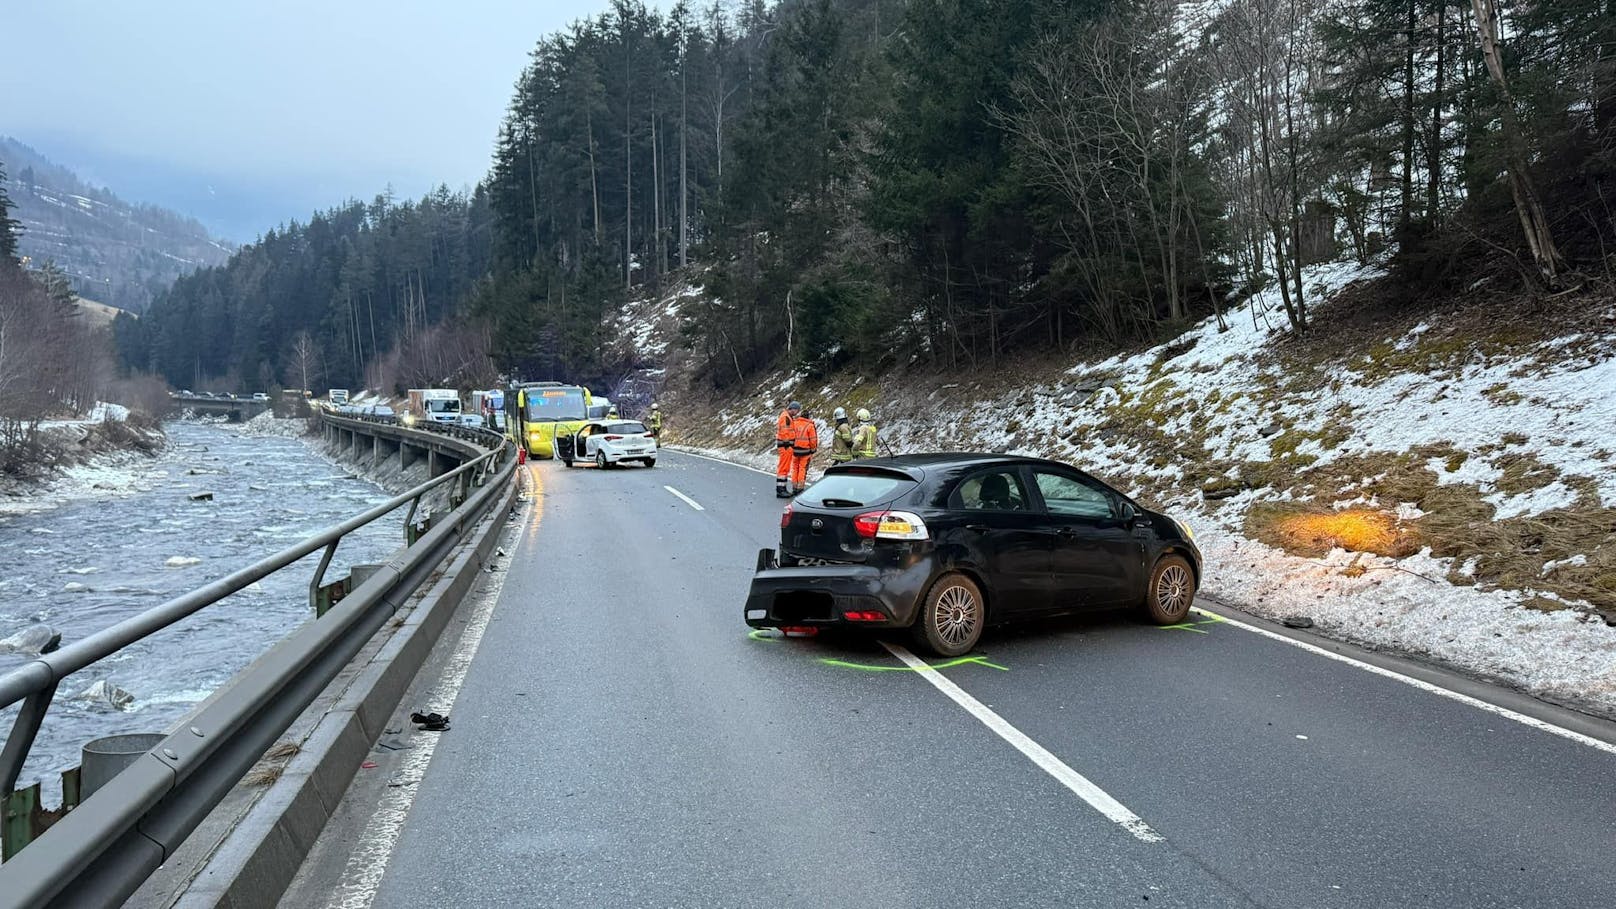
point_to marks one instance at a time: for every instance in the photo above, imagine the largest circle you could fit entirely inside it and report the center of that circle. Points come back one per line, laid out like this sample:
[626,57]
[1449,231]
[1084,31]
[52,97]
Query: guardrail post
[17,827]
[21,740]
[319,575]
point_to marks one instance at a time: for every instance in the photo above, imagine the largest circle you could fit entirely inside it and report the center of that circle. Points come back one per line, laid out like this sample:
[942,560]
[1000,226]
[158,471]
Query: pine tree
[9,228]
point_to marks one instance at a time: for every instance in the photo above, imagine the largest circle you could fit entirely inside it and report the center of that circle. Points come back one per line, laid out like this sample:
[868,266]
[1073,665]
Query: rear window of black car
[856,490]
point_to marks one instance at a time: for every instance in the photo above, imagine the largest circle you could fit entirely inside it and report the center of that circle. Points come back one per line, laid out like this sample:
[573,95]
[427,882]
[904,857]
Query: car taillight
[869,615]
[614,438]
[785,517]
[890,525]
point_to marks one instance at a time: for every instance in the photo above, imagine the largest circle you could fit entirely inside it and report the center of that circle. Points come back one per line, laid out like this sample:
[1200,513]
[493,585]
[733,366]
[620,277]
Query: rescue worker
[656,421]
[804,443]
[864,436]
[841,438]
[785,435]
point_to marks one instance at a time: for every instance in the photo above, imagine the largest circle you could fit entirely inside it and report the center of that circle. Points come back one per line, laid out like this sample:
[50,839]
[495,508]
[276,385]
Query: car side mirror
[1130,515]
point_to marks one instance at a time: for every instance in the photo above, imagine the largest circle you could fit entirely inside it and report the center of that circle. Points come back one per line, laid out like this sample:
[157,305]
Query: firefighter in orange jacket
[803,447]
[785,438]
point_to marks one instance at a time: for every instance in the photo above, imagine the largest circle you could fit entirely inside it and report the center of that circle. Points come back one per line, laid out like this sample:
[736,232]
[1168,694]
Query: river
[84,565]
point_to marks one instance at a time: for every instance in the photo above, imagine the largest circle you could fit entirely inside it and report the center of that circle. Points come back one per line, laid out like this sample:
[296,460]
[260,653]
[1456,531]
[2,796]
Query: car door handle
[1067,533]
[977,528]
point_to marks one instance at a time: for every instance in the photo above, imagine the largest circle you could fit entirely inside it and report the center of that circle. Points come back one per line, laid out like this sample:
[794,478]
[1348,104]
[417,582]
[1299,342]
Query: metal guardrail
[101,851]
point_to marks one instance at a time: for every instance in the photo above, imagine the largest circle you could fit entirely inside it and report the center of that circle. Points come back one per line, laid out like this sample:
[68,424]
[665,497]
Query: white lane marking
[686,451]
[687,500]
[1079,784]
[1450,694]
[367,863]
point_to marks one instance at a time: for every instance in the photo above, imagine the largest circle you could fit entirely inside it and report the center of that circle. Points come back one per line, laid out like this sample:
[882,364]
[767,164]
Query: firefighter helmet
[863,415]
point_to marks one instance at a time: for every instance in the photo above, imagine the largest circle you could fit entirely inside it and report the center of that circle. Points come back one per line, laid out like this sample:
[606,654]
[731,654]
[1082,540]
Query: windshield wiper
[840,503]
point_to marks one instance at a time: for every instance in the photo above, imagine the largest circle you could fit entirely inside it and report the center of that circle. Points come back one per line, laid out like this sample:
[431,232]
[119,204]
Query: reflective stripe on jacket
[864,441]
[804,436]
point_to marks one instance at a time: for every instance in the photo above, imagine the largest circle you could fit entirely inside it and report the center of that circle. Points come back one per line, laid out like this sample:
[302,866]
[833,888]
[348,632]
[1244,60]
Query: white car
[609,443]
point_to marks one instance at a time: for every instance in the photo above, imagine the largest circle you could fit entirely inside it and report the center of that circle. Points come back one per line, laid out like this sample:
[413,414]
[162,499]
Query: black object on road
[430,722]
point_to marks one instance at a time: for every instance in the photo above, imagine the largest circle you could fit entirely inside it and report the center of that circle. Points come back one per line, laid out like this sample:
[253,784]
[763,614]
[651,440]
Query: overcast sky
[247,113]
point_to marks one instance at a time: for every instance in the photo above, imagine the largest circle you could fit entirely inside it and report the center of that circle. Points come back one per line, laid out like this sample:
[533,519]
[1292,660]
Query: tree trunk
[1406,215]
[684,192]
[1534,222]
[656,198]
[594,185]
[1433,150]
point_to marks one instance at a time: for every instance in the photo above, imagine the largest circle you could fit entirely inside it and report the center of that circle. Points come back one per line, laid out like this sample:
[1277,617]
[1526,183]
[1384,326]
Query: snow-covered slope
[1478,451]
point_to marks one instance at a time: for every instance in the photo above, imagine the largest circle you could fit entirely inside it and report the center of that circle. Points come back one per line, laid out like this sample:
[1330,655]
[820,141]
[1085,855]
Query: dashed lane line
[684,498]
[1080,785]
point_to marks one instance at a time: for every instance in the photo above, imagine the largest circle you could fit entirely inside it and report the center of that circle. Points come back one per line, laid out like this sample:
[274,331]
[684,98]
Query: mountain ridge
[119,253]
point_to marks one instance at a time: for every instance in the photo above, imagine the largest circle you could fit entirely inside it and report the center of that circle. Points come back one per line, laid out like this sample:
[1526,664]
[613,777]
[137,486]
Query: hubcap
[1173,590]
[957,615]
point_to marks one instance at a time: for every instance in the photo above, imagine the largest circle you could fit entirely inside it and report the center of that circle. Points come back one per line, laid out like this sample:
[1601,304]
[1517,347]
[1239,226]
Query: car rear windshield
[627,429]
[856,490]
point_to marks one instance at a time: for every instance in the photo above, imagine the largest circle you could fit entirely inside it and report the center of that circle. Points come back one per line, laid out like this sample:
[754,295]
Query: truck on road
[438,405]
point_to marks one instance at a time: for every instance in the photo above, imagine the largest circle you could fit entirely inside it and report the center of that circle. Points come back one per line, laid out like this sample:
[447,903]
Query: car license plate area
[796,606]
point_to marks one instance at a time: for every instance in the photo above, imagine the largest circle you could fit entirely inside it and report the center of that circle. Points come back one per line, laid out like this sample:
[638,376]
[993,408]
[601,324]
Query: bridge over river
[616,737]
[236,409]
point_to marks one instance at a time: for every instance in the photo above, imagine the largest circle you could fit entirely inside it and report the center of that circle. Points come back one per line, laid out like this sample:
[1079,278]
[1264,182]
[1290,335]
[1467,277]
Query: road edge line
[680,449]
[1423,685]
[1042,757]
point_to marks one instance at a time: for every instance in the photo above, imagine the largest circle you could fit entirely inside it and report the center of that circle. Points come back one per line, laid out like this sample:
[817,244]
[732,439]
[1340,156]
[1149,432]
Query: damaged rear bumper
[854,595]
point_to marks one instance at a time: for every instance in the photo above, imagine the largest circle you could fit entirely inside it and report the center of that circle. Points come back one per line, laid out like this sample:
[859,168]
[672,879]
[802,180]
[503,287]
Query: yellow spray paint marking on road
[536,496]
[763,634]
[1210,619]
[950,664]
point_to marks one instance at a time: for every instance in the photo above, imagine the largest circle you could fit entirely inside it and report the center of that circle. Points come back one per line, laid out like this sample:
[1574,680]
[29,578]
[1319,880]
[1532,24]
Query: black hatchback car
[943,544]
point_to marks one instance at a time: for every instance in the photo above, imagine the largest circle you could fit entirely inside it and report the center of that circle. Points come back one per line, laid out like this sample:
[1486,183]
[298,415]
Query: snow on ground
[267,424]
[1230,393]
[115,474]
[102,412]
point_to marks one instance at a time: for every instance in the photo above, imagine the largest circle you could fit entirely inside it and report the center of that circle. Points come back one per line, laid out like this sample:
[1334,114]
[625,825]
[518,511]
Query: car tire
[1171,591]
[650,462]
[600,460]
[951,617]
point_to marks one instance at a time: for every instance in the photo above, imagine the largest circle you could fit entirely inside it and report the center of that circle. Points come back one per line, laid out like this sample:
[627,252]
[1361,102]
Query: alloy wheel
[957,615]
[1173,590]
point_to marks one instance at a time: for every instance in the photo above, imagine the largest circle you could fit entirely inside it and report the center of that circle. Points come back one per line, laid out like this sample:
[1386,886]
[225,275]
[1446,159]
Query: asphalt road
[621,740]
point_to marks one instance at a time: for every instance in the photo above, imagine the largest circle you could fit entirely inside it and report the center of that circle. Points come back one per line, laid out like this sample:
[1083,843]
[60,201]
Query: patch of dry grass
[1302,528]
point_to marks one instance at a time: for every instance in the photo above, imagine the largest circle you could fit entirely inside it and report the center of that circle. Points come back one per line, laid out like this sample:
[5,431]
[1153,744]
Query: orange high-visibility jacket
[786,432]
[805,436]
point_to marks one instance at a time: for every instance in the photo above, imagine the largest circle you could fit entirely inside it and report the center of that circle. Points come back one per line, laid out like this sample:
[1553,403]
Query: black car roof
[917,465]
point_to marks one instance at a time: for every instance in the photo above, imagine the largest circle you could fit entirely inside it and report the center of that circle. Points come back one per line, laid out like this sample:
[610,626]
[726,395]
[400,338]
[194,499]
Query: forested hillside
[980,177]
[967,179]
[358,286]
[112,251]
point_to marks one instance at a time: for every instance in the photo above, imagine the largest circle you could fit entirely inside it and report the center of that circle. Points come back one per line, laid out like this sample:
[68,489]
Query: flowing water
[83,566]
